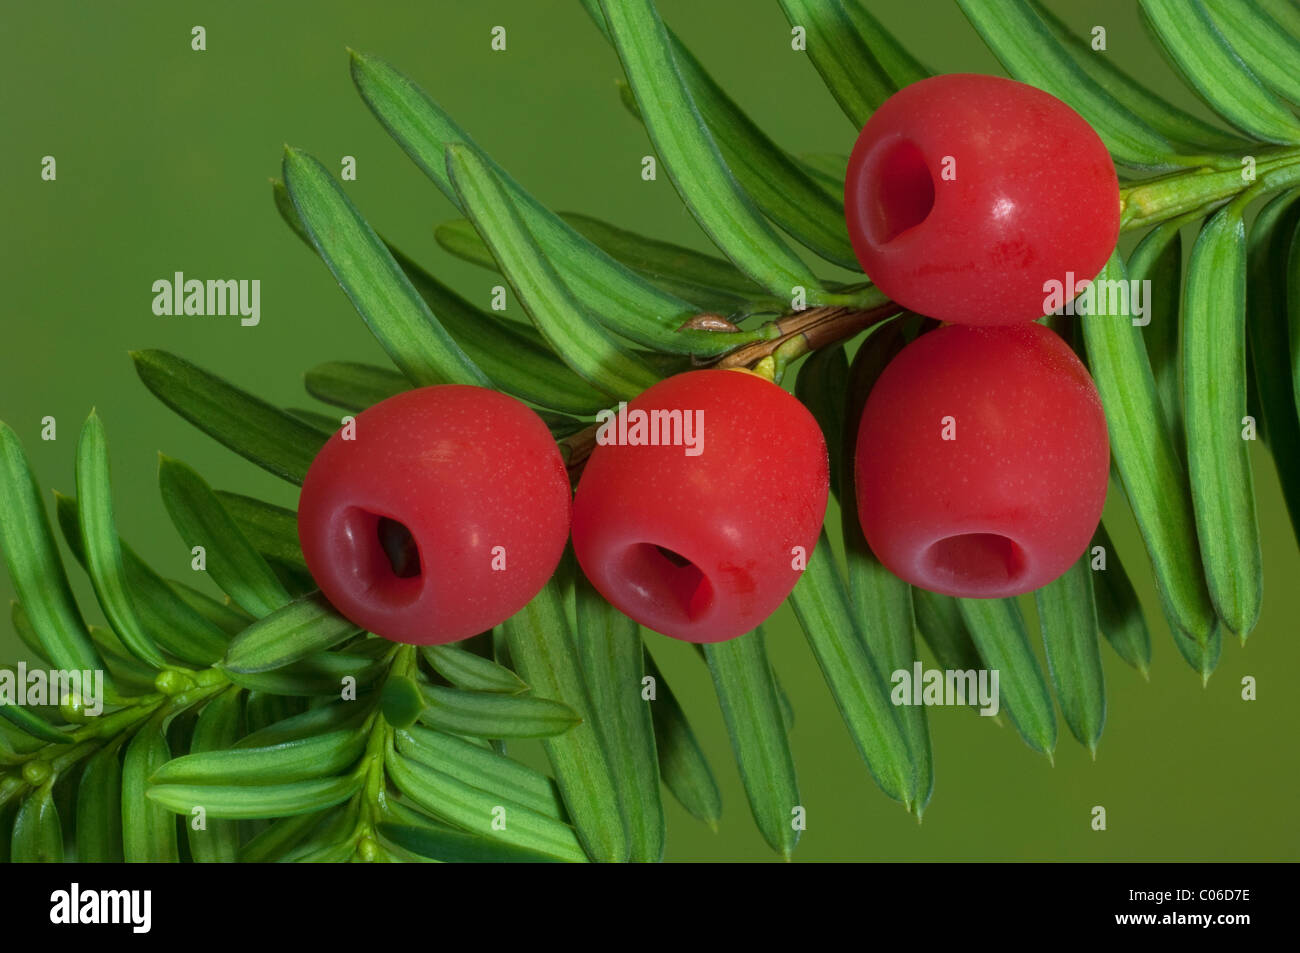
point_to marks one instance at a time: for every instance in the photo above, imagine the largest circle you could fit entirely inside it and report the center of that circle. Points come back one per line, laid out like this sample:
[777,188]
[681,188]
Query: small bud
[368,850]
[709,322]
[171,682]
[73,709]
[36,773]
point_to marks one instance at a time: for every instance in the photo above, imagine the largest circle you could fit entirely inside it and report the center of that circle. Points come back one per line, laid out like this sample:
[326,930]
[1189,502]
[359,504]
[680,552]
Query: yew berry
[982,460]
[443,516]
[702,541]
[968,196]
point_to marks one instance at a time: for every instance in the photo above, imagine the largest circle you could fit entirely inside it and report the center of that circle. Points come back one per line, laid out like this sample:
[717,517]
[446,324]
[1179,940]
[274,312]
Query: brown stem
[814,328]
[576,448]
[798,334]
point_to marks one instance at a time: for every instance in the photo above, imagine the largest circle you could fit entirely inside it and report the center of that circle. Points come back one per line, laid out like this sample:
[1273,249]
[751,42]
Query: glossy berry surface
[705,547]
[443,517]
[1013,498]
[966,194]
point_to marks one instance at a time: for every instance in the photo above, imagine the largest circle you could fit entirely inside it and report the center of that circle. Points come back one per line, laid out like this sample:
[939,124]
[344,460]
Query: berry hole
[987,560]
[399,546]
[669,583]
[677,560]
[901,192]
[377,557]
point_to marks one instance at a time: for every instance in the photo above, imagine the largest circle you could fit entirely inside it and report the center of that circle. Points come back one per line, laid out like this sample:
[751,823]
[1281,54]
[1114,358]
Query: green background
[164,156]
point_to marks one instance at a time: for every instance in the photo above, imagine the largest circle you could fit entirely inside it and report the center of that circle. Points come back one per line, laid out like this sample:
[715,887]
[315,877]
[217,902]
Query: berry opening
[984,560]
[901,192]
[672,557]
[668,583]
[379,556]
[399,546]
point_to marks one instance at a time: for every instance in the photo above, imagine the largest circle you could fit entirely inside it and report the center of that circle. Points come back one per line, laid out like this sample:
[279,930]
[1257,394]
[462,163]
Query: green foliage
[1119,614]
[380,290]
[835,633]
[998,629]
[269,705]
[1026,47]
[1271,261]
[747,693]
[1217,71]
[686,147]
[1153,476]
[1067,614]
[1214,394]
[613,666]
[574,334]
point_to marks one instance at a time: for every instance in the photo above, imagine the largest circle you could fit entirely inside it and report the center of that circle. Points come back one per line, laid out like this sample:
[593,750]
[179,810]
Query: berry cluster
[981,459]
[982,455]
[448,509]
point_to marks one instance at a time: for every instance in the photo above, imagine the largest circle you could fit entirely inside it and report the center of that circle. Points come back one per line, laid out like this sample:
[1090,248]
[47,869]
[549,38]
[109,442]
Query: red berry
[967,194]
[703,547]
[1012,500]
[443,517]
